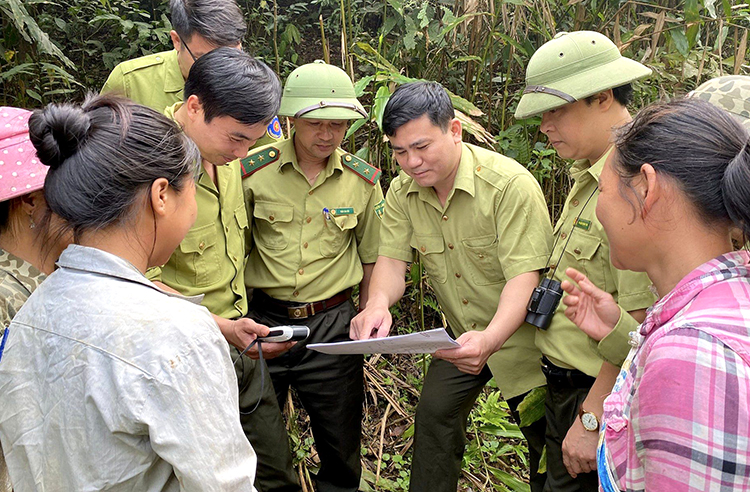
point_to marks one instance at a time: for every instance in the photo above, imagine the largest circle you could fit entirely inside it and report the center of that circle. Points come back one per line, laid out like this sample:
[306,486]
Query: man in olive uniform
[158,80]
[230,98]
[315,213]
[580,84]
[480,225]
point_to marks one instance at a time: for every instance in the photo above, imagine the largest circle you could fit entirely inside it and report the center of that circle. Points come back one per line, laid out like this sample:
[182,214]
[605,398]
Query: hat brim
[582,85]
[322,113]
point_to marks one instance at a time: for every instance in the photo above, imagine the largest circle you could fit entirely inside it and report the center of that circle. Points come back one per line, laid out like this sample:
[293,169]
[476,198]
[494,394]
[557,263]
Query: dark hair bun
[57,132]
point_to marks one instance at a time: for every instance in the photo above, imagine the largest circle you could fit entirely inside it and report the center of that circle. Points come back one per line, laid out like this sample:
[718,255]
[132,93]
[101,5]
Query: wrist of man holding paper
[477,346]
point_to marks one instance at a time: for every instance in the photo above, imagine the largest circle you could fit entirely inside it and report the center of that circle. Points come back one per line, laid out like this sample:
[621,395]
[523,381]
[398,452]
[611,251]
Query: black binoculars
[543,303]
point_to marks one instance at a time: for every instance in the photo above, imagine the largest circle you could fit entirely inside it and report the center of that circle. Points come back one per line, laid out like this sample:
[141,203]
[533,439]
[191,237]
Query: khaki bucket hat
[731,92]
[571,67]
[320,91]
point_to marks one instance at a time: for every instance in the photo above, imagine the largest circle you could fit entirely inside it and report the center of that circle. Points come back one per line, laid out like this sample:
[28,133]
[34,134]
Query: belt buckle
[299,312]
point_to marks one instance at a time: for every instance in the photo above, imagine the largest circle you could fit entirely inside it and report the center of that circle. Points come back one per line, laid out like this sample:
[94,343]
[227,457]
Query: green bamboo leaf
[509,480]
[531,408]
[23,68]
[361,85]
[355,126]
[680,40]
[34,94]
[378,61]
[502,431]
[378,105]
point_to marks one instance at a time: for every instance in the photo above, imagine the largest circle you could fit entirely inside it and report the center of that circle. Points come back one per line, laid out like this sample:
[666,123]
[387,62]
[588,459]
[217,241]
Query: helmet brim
[322,112]
[582,85]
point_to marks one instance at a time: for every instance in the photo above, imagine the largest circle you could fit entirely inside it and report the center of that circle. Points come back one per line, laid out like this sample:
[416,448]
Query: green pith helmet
[731,92]
[571,67]
[320,91]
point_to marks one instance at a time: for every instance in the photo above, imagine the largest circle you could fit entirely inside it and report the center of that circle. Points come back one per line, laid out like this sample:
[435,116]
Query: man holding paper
[480,224]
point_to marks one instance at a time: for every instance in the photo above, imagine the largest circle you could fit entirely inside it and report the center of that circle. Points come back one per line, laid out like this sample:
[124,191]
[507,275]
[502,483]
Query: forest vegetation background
[55,50]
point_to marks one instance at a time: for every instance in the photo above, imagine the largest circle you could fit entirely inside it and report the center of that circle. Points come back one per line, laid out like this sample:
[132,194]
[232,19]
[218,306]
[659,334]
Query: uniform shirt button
[271,217]
[234,258]
[481,255]
[226,229]
[201,245]
[295,293]
[577,251]
[465,301]
[310,192]
[450,245]
[563,235]
[445,217]
[473,325]
[422,249]
[574,202]
[305,245]
[458,275]
[301,271]
[479,168]
[308,220]
[552,266]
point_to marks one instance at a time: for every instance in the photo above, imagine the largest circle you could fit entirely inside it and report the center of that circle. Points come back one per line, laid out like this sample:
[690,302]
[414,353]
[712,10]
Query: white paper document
[423,342]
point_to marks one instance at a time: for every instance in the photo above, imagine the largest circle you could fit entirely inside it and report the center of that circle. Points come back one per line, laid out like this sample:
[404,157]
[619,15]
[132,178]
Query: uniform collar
[289,156]
[582,167]
[92,260]
[30,279]
[464,179]
[173,80]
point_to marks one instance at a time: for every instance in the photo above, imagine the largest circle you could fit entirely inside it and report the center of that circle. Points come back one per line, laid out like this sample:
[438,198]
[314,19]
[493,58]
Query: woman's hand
[594,311]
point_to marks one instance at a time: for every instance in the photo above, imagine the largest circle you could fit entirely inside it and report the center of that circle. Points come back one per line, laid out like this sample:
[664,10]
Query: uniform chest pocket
[483,263]
[273,221]
[585,253]
[199,263]
[431,249]
[337,234]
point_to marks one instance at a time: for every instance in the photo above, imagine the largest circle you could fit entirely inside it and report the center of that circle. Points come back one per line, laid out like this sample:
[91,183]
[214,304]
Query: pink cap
[21,172]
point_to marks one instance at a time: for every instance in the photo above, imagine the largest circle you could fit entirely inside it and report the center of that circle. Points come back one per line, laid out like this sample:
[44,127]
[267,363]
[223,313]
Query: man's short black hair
[622,94]
[229,82]
[411,101]
[220,22]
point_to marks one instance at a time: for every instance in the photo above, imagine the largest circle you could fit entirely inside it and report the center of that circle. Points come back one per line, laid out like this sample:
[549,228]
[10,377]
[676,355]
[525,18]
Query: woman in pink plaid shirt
[678,417]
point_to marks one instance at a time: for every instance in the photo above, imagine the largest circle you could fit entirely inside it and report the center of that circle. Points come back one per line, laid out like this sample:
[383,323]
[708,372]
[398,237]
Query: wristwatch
[589,420]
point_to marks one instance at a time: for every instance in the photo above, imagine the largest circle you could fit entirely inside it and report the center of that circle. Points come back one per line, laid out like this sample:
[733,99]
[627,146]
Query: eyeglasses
[195,59]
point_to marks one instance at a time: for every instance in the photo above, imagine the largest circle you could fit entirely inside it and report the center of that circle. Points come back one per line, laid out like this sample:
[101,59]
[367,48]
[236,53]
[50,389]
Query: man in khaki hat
[580,84]
[315,212]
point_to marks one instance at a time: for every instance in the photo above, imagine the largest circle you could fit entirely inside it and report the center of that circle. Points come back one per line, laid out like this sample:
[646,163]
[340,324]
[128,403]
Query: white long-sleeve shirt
[107,382]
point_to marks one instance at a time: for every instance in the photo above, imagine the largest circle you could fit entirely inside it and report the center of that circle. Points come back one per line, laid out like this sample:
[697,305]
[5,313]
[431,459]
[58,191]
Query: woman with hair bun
[678,417]
[106,381]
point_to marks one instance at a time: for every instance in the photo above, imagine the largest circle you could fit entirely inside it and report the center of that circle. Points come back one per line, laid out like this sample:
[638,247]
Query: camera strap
[549,258]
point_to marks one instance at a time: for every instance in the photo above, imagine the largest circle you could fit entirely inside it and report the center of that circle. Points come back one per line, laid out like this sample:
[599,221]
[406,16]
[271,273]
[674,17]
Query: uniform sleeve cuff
[525,266]
[397,254]
[614,347]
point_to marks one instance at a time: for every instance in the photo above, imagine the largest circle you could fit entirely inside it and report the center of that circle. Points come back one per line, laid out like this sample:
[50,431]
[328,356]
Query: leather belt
[296,310]
[560,376]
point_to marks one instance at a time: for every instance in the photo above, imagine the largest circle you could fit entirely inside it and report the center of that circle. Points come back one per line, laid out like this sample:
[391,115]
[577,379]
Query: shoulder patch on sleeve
[258,160]
[361,168]
[274,129]
[142,62]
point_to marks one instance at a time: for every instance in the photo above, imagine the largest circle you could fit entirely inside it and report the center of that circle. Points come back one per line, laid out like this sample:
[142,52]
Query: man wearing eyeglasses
[158,80]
